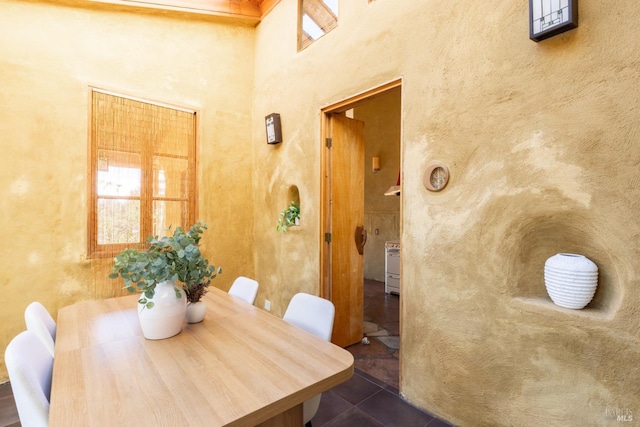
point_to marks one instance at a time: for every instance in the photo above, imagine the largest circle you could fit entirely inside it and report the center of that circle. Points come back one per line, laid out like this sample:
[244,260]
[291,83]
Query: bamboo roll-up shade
[143,171]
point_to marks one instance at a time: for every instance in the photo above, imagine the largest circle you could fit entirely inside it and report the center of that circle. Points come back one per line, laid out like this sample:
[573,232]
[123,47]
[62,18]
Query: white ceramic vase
[195,312]
[166,318]
[571,280]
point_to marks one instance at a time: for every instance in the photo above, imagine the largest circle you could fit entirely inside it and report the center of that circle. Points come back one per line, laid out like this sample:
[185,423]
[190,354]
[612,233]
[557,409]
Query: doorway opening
[361,163]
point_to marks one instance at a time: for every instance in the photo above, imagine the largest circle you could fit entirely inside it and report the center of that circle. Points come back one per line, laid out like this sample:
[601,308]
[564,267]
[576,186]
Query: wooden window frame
[320,14]
[147,198]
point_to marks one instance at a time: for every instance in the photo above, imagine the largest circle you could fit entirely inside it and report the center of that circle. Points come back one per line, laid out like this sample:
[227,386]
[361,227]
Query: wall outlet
[267,305]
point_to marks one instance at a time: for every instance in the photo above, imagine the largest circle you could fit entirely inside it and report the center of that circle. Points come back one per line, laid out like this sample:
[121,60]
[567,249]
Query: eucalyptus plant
[176,258]
[288,217]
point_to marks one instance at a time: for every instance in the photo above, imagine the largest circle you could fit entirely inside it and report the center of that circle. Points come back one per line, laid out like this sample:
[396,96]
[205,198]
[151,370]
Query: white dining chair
[244,288]
[314,315]
[40,322]
[30,367]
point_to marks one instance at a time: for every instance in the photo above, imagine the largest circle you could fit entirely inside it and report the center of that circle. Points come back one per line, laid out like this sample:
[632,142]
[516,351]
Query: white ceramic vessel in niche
[571,280]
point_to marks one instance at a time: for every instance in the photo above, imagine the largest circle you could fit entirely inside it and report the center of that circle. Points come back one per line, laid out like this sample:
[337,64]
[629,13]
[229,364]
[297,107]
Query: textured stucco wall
[542,143]
[49,56]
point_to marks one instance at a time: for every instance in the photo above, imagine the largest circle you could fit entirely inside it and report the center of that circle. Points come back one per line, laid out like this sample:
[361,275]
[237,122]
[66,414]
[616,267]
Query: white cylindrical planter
[571,280]
[195,312]
[166,318]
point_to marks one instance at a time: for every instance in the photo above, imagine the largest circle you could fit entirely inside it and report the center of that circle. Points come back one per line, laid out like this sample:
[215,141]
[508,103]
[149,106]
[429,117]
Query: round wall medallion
[436,176]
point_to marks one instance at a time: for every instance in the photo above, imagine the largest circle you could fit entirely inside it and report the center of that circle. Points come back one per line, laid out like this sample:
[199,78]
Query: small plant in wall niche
[288,217]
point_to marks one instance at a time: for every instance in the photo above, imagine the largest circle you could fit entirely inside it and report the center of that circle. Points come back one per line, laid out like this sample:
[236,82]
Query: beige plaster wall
[542,143]
[49,57]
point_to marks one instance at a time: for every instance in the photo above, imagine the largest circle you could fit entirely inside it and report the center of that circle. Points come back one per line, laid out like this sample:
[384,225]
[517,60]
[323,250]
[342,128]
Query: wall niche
[293,195]
[291,204]
[533,240]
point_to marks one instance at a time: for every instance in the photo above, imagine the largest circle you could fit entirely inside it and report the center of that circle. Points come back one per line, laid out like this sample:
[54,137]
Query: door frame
[325,132]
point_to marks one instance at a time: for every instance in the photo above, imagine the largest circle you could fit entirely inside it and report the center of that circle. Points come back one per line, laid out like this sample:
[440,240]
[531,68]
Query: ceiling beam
[266,6]
[241,8]
[251,11]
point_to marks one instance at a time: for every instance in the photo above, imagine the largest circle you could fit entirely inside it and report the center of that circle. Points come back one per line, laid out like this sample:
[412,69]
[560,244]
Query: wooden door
[346,227]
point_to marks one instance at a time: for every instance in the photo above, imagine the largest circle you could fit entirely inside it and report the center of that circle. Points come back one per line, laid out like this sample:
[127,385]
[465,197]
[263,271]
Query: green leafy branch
[288,217]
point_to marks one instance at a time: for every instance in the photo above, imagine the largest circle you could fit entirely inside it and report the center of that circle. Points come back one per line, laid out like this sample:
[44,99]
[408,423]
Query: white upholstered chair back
[30,367]
[314,315]
[40,322]
[244,288]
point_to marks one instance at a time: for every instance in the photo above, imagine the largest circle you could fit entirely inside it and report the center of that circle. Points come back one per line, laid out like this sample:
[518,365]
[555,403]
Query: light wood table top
[240,366]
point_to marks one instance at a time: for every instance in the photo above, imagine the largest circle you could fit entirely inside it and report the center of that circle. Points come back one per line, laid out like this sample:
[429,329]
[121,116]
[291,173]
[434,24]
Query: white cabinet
[392,267]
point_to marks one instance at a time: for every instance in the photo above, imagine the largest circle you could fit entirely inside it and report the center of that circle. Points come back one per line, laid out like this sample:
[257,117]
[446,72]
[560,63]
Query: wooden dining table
[240,366]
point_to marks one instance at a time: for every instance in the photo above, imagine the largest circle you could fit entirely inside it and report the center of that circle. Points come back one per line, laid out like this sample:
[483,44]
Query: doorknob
[361,238]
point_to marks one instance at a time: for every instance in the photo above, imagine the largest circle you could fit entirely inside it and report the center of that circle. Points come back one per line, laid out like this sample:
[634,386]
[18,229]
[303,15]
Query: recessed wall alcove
[293,194]
[531,241]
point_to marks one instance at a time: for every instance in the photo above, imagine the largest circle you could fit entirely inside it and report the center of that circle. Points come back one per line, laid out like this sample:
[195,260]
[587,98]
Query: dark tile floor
[365,401]
[8,411]
[379,358]
[370,397]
